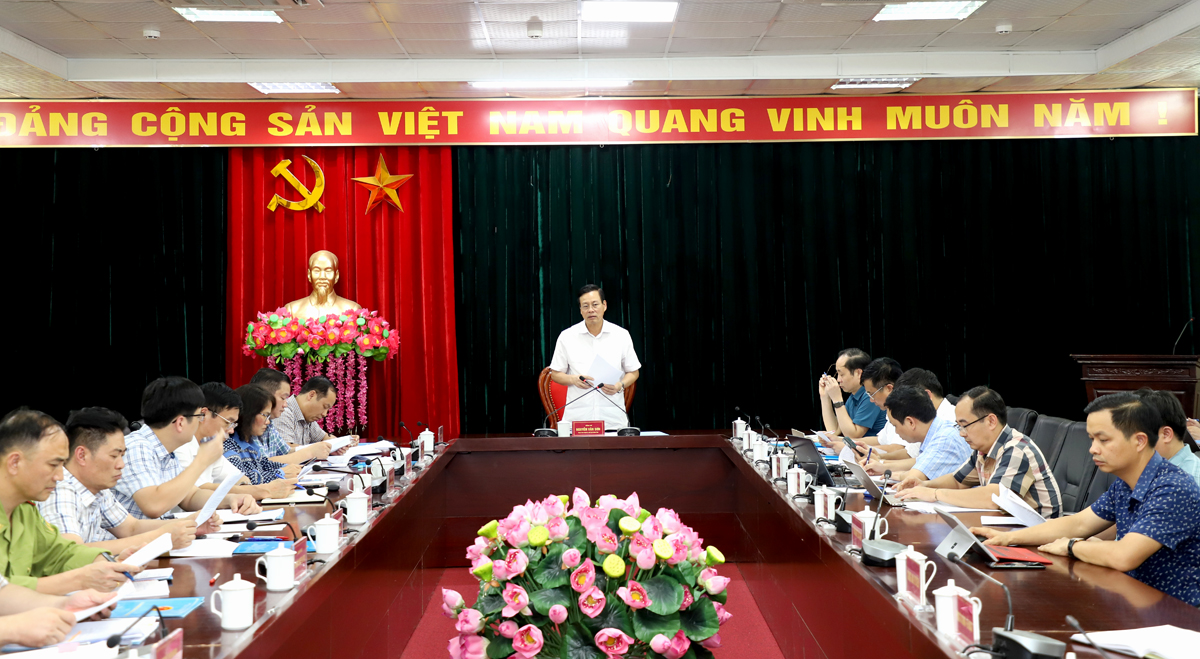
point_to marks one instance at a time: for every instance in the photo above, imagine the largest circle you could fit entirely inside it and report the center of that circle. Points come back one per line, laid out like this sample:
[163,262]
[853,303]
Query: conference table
[818,600]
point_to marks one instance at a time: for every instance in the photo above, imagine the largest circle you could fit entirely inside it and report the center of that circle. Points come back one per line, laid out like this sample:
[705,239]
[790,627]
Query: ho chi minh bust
[323,300]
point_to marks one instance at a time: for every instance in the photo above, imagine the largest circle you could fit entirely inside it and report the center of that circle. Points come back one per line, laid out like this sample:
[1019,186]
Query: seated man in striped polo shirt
[1002,457]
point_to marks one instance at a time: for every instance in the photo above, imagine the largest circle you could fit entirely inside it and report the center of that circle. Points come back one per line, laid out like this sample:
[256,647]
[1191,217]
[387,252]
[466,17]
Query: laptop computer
[864,479]
[808,457]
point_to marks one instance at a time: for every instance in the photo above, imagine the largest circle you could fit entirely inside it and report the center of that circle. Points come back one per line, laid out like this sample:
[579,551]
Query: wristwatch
[1071,549]
[839,405]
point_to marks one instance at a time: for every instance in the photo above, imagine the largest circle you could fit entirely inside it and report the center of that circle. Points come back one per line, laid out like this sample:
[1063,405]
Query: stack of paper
[1162,642]
[1016,506]
[144,590]
[932,508]
[214,500]
[206,548]
[89,612]
[154,574]
[339,443]
[153,549]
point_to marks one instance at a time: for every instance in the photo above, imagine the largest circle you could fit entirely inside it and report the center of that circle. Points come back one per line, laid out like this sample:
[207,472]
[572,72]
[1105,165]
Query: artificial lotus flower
[638,542]
[688,600]
[712,642]
[634,595]
[652,528]
[606,542]
[483,571]
[480,548]
[537,514]
[663,549]
[507,629]
[558,614]
[470,621]
[488,530]
[570,558]
[723,616]
[528,641]
[516,600]
[716,585]
[608,502]
[581,501]
[681,550]
[646,558]
[554,506]
[558,529]
[678,647]
[613,642]
[538,536]
[468,647]
[452,603]
[515,563]
[614,566]
[628,525]
[592,602]
[660,643]
[584,578]
[519,535]
[713,556]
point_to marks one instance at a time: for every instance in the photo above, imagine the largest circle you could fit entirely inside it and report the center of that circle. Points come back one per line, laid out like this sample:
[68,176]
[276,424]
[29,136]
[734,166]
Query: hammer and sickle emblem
[310,198]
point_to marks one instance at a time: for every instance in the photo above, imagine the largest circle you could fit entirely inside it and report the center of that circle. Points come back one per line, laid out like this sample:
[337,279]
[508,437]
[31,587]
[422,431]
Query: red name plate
[300,548]
[587,427]
[856,532]
[170,647]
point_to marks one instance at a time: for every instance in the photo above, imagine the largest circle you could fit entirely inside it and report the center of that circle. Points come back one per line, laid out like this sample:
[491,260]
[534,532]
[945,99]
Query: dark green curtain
[119,273]
[742,269]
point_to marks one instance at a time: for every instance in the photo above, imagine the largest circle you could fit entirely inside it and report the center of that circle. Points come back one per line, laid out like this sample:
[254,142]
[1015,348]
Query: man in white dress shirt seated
[578,350]
[929,383]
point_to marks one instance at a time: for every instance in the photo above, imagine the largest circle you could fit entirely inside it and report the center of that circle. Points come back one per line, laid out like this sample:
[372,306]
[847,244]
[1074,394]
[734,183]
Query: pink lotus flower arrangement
[598,582]
[279,334]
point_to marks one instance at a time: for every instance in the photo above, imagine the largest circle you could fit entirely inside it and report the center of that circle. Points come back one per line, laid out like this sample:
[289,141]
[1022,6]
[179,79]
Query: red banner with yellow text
[600,120]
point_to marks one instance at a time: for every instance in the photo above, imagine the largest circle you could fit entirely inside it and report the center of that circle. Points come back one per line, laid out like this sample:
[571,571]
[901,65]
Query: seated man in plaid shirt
[1002,457]
[82,505]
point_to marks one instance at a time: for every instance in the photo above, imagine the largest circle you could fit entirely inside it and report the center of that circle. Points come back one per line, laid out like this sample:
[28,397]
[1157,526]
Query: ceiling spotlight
[928,11]
[534,28]
[228,16]
[874,83]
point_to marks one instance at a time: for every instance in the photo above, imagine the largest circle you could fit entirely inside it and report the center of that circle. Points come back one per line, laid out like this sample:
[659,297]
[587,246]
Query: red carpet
[745,635]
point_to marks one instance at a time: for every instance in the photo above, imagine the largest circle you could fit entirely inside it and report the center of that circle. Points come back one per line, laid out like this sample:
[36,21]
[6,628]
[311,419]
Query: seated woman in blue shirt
[1152,503]
[241,449]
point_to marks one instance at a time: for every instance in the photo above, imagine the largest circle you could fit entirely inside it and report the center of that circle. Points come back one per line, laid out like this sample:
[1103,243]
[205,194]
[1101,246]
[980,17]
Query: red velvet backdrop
[398,263]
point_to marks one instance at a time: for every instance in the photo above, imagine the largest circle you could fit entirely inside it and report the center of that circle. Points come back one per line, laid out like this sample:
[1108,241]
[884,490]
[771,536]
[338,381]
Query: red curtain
[398,263]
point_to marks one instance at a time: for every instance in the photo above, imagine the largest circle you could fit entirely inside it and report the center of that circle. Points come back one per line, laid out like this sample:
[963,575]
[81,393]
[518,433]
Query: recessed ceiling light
[295,87]
[547,84]
[927,11]
[874,83]
[629,12]
[228,15]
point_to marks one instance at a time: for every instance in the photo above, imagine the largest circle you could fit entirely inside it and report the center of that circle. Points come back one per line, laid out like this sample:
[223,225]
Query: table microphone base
[545,432]
[1026,645]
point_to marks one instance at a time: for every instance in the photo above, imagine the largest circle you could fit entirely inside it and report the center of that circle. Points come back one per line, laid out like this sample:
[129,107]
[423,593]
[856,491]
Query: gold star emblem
[383,185]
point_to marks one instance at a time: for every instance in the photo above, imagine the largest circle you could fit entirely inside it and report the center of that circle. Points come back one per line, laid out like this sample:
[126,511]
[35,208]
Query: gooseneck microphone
[251,525]
[1079,628]
[334,469]
[545,430]
[115,640]
[331,487]
[1011,619]
[410,435]
[1185,326]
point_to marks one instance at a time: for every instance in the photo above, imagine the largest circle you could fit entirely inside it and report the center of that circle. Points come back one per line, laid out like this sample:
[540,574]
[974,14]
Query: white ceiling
[431,49]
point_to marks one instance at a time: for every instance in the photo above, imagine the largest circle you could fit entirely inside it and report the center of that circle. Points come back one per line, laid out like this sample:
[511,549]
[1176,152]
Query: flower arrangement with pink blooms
[283,336]
[598,582]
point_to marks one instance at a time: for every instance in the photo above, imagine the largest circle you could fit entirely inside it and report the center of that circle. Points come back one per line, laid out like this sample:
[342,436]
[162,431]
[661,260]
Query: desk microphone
[251,525]
[115,639]
[627,431]
[331,486]
[382,487]
[1011,619]
[545,430]
[760,425]
[1185,326]
[1015,644]
[1079,628]
[334,470]
[410,435]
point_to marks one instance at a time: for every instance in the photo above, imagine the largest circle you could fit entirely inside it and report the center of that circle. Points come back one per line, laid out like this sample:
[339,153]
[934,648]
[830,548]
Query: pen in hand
[109,557]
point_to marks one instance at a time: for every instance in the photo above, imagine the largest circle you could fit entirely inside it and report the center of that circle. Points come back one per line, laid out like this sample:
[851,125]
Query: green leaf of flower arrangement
[666,595]
[542,600]
[550,573]
[701,652]
[614,615]
[647,625]
[489,604]
[577,537]
[699,621]
[716,598]
[499,647]
[614,517]
[578,644]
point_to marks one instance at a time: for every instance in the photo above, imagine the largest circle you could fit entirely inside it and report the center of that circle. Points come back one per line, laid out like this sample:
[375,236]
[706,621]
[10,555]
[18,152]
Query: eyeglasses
[594,305]
[963,428]
[201,413]
[871,396]
[266,415]
[228,424]
[831,371]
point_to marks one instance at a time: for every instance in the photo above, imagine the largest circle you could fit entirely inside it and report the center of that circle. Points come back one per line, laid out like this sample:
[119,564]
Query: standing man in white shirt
[576,352]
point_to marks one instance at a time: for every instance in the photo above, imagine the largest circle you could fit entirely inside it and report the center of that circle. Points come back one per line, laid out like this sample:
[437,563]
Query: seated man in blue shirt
[1175,445]
[943,450]
[1152,502]
[856,416]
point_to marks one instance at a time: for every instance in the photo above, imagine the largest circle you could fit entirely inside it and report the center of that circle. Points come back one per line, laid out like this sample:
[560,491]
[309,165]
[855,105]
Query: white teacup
[325,534]
[279,566]
[237,603]
[798,482]
[873,526]
[357,505]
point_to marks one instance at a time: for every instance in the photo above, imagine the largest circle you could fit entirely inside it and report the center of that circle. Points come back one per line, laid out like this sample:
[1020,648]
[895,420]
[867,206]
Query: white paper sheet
[144,590]
[154,574]
[1000,521]
[80,615]
[1167,641]
[1010,503]
[206,548]
[217,497]
[264,516]
[931,508]
[372,448]
[339,443]
[603,372]
[153,549]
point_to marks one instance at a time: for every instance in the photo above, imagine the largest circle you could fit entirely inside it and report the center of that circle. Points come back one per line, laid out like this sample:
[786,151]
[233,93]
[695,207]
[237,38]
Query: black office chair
[1048,432]
[1100,483]
[1073,467]
[1022,419]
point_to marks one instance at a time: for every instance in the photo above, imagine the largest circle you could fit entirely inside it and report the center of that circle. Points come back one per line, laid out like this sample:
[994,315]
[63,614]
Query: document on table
[1165,641]
[217,497]
[1000,521]
[155,574]
[603,372]
[369,449]
[1014,505]
[206,548]
[90,611]
[931,508]
[153,549]
[93,634]
[144,590]
[89,651]
[339,443]
[227,517]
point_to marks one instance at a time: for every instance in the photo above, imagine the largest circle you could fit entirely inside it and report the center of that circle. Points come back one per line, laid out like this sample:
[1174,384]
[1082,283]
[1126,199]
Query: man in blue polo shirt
[1152,502]
[856,416]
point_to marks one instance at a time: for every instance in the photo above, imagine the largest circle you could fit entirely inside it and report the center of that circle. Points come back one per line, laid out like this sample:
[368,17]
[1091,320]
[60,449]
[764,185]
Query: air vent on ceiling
[238,5]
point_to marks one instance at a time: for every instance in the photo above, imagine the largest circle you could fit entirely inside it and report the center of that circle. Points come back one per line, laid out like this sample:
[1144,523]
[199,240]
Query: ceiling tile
[367,49]
[1157,62]
[710,85]
[444,48]
[1184,79]
[120,12]
[629,30]
[813,12]
[344,31]
[181,48]
[1176,45]
[726,30]
[61,30]
[1125,6]
[235,90]
[969,41]
[779,45]
[639,47]
[1070,40]
[799,29]
[740,12]
[739,46]
[988,26]
[447,12]
[884,43]
[279,47]
[1115,80]
[907,27]
[88,47]
[534,46]
[149,90]
[790,87]
[18,12]
[172,30]
[1032,83]
[382,90]
[950,85]
[345,13]
[261,31]
[1100,22]
[50,89]
[438,30]
[518,31]
[520,12]
[1005,9]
